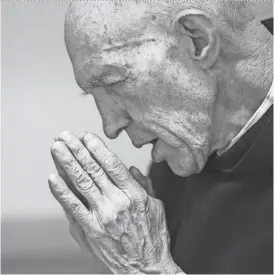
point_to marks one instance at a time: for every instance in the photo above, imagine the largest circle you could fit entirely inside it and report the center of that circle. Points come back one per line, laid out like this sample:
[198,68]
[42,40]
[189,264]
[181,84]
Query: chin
[184,169]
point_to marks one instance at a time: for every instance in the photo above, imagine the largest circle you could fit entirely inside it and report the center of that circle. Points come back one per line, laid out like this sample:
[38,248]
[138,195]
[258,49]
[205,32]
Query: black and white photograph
[137,137]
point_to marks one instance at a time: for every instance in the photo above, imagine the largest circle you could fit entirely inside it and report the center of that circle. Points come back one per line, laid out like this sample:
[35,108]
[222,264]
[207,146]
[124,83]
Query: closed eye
[88,88]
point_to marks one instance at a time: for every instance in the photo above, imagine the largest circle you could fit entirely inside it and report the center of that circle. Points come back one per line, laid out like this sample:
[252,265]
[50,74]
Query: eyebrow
[128,45]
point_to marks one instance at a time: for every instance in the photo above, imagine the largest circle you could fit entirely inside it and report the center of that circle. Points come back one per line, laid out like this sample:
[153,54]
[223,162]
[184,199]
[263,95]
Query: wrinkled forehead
[94,28]
[104,23]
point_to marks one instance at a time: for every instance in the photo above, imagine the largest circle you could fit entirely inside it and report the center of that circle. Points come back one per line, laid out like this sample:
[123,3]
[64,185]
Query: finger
[66,178]
[113,166]
[70,202]
[89,164]
[77,175]
[144,181]
[78,234]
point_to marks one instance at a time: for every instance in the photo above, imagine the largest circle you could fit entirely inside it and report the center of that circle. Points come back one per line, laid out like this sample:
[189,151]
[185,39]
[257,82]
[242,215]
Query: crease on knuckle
[142,199]
[70,165]
[88,189]
[80,177]
[65,194]
[78,151]
[83,181]
[85,159]
[93,167]
[114,165]
[76,208]
[97,173]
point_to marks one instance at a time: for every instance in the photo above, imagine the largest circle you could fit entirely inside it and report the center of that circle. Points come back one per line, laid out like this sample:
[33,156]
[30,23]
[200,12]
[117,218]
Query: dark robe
[221,220]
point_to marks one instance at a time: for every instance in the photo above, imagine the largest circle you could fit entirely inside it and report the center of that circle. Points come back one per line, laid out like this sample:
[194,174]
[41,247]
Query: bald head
[102,17]
[104,24]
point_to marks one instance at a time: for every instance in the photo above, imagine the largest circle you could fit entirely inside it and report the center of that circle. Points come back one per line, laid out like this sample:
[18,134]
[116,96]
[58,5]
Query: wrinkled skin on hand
[124,226]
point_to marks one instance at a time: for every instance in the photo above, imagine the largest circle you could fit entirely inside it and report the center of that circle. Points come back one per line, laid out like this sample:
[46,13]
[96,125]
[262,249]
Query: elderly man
[193,78]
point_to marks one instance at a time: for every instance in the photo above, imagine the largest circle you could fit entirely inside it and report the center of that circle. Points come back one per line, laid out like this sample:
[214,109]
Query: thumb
[144,181]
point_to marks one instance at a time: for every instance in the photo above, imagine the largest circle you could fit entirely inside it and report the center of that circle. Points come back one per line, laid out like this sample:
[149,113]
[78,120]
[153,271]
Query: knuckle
[76,208]
[65,194]
[124,207]
[108,215]
[82,180]
[78,151]
[95,171]
[114,164]
[107,220]
[70,164]
[142,196]
[93,167]
[87,222]
[85,159]
[87,188]
[100,176]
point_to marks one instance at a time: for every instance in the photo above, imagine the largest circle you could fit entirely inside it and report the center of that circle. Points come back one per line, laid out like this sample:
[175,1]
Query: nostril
[112,133]
[153,142]
[113,129]
[119,132]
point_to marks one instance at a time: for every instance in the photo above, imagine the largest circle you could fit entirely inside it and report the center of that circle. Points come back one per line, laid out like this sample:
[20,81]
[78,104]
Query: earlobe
[205,41]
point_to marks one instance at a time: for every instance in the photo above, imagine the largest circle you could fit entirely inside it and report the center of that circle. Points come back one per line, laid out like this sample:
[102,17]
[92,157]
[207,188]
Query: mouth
[140,145]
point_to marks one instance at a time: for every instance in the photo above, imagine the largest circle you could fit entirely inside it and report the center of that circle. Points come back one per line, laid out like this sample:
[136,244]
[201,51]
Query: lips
[139,145]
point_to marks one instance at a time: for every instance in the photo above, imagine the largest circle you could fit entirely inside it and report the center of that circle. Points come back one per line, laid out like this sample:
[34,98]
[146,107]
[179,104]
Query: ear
[204,40]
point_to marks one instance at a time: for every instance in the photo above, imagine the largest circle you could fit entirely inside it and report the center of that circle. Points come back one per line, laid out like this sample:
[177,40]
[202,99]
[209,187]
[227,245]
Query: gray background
[40,99]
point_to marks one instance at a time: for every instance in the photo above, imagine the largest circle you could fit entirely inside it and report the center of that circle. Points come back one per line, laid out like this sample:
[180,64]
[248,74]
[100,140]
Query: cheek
[109,105]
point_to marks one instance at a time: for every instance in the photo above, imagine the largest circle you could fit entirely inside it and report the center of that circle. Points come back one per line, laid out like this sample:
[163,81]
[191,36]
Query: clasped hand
[110,209]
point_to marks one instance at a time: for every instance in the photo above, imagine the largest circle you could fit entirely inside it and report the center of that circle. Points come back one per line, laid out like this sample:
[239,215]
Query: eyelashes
[107,86]
[108,82]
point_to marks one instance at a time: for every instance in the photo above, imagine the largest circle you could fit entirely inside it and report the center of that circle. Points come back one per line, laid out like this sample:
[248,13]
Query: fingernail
[57,139]
[58,147]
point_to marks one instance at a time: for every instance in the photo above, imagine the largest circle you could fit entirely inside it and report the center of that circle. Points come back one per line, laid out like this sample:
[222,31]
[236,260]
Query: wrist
[168,266]
[172,268]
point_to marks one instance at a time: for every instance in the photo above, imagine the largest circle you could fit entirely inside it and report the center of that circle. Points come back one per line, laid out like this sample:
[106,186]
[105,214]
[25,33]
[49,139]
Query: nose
[114,126]
[114,118]
[112,110]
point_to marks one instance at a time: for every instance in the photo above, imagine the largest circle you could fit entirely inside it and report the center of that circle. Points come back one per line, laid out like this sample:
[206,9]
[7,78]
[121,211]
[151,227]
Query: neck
[244,85]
